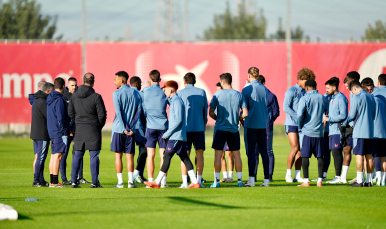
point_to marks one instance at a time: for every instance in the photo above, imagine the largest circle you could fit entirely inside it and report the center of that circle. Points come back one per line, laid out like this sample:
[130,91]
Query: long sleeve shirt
[140,125]
[273,110]
[256,98]
[196,107]
[290,105]
[57,117]
[380,119]
[177,120]
[127,104]
[328,99]
[310,112]
[337,112]
[155,103]
[362,112]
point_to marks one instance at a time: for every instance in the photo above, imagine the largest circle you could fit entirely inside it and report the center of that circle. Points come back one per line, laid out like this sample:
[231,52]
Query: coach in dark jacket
[39,132]
[88,110]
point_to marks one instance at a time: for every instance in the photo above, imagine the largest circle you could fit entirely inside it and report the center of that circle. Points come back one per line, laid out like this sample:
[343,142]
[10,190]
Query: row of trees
[22,19]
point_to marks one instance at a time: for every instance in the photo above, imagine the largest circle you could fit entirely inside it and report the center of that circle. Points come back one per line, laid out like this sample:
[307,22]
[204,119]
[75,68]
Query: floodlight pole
[83,37]
[288,42]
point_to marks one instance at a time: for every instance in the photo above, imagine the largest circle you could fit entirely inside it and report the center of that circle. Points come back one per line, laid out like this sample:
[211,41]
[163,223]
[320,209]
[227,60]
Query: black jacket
[88,110]
[39,129]
[67,96]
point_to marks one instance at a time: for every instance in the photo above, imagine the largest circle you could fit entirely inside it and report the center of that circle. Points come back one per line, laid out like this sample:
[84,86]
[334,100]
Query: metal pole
[288,41]
[186,22]
[84,37]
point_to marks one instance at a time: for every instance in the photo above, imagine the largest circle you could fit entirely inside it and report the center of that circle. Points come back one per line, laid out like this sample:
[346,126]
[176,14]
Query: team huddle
[147,115]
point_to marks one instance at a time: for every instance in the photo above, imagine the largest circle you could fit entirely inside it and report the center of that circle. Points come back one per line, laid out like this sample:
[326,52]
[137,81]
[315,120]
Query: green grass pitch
[281,205]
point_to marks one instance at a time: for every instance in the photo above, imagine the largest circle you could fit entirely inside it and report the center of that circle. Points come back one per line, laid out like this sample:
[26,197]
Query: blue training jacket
[155,103]
[273,110]
[290,105]
[337,112]
[140,125]
[57,117]
[310,112]
[196,107]
[328,98]
[380,93]
[127,104]
[362,112]
[380,119]
[177,120]
[256,98]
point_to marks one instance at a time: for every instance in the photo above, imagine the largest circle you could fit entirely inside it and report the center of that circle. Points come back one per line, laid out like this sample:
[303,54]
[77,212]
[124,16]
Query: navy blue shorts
[122,143]
[312,146]
[41,146]
[59,145]
[221,137]
[379,147]
[140,138]
[334,142]
[291,129]
[153,136]
[197,139]
[175,146]
[226,147]
[350,142]
[362,146]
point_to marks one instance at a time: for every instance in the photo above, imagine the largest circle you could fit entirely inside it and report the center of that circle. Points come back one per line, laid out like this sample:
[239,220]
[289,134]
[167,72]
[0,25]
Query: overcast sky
[327,19]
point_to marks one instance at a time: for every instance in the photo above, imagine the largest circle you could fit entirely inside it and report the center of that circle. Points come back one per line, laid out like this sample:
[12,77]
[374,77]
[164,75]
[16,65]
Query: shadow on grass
[23,217]
[184,200]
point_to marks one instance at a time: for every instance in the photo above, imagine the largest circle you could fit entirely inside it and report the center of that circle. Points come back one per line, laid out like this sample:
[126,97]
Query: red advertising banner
[22,66]
[174,60]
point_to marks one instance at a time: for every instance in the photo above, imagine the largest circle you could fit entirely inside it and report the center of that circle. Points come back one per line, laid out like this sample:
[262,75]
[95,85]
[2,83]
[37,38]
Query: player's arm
[352,114]
[275,108]
[60,115]
[173,126]
[213,105]
[101,111]
[343,112]
[205,108]
[288,99]
[300,113]
[212,114]
[118,114]
[70,109]
[244,108]
[244,114]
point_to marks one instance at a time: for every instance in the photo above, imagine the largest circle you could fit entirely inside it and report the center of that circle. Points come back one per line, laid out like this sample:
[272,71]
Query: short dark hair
[226,77]
[354,75]
[354,83]
[48,86]
[155,76]
[123,74]
[218,84]
[261,79]
[89,78]
[190,78]
[382,79]
[367,82]
[334,81]
[71,79]
[311,83]
[134,80]
[59,83]
[345,80]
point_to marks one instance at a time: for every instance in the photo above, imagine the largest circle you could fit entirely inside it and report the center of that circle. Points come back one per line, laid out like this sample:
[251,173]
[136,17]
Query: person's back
[290,105]
[196,107]
[256,98]
[57,118]
[310,113]
[381,92]
[39,129]
[177,120]
[380,119]
[155,103]
[229,102]
[364,121]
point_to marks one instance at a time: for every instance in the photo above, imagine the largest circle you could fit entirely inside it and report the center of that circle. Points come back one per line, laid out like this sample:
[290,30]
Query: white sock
[224,174]
[320,179]
[359,177]
[289,172]
[344,172]
[217,177]
[239,177]
[185,179]
[160,177]
[369,178]
[230,174]
[131,177]
[120,180]
[163,181]
[199,179]
[297,174]
[136,172]
[379,174]
[150,179]
[306,180]
[192,176]
[251,180]
[324,174]
[383,176]
[266,181]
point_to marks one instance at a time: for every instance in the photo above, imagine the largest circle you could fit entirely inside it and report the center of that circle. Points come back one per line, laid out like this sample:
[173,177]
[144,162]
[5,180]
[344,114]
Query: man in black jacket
[88,110]
[72,85]
[39,133]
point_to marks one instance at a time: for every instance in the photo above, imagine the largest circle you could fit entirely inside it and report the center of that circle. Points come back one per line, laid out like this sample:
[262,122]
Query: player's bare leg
[294,157]
[231,165]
